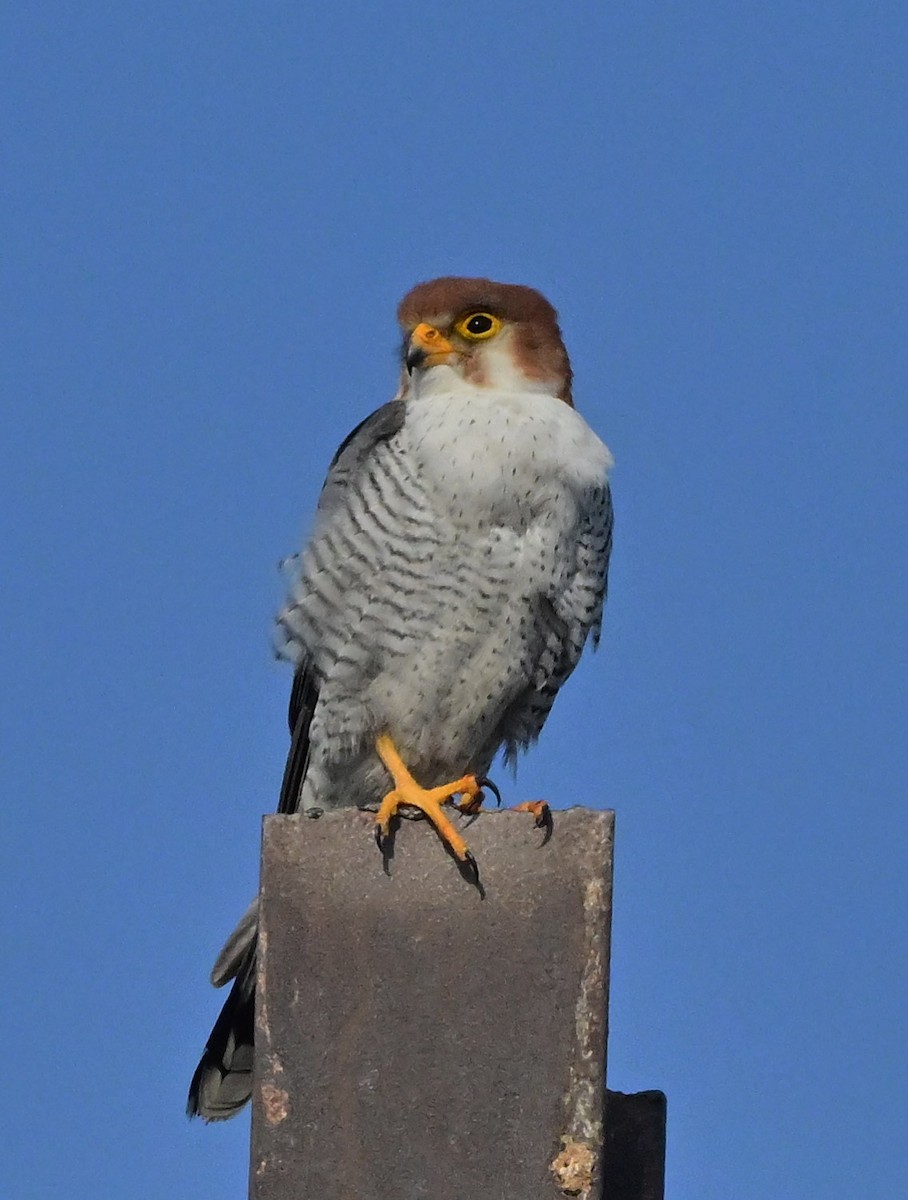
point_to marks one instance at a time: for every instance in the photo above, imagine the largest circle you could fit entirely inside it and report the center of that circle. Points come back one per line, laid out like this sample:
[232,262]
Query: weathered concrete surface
[634,1166]
[417,1042]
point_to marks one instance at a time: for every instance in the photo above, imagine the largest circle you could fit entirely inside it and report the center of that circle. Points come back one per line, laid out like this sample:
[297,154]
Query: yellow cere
[478,326]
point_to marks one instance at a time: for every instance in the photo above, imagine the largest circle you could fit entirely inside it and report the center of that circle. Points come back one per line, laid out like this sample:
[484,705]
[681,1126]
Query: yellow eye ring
[478,326]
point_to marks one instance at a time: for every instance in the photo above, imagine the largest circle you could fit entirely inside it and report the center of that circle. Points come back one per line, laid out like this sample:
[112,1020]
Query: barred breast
[428,597]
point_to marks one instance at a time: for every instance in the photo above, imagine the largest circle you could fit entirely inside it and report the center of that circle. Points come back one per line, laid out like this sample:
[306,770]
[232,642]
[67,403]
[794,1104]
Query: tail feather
[238,947]
[222,1083]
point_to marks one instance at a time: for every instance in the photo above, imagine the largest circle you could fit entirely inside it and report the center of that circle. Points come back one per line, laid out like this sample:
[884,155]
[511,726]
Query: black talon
[474,866]
[485,782]
[379,839]
[546,821]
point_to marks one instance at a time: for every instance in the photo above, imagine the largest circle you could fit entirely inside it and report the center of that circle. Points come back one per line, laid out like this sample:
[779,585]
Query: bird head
[477,333]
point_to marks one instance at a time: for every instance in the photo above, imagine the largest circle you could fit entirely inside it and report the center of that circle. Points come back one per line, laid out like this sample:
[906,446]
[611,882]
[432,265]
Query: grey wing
[339,564]
[336,561]
[581,602]
[352,453]
[357,448]
[303,699]
[567,615]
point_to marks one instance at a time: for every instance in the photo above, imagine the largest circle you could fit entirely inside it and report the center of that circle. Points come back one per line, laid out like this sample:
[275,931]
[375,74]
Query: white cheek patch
[501,370]
[494,367]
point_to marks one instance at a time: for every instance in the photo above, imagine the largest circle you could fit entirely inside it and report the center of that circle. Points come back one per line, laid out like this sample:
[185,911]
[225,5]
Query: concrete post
[416,1040]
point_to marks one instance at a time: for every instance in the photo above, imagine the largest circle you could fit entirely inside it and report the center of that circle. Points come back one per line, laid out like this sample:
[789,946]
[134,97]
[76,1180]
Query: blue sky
[208,215]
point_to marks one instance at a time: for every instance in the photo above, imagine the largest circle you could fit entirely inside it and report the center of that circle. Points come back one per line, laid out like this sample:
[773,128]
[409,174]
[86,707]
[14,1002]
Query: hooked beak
[427,347]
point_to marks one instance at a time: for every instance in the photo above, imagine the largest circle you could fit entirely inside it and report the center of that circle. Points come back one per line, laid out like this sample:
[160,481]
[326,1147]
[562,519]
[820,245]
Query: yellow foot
[428,800]
[472,805]
[543,814]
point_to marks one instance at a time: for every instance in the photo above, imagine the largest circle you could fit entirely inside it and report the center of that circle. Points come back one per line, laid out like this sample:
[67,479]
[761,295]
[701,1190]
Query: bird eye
[478,326]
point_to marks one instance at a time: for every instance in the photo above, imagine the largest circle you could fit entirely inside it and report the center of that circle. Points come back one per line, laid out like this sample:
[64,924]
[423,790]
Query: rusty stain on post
[275,1104]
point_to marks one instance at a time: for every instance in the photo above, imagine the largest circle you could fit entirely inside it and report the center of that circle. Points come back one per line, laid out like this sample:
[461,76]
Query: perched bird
[456,569]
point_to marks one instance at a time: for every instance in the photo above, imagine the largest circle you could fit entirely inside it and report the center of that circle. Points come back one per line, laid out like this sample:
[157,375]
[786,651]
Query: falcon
[456,569]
